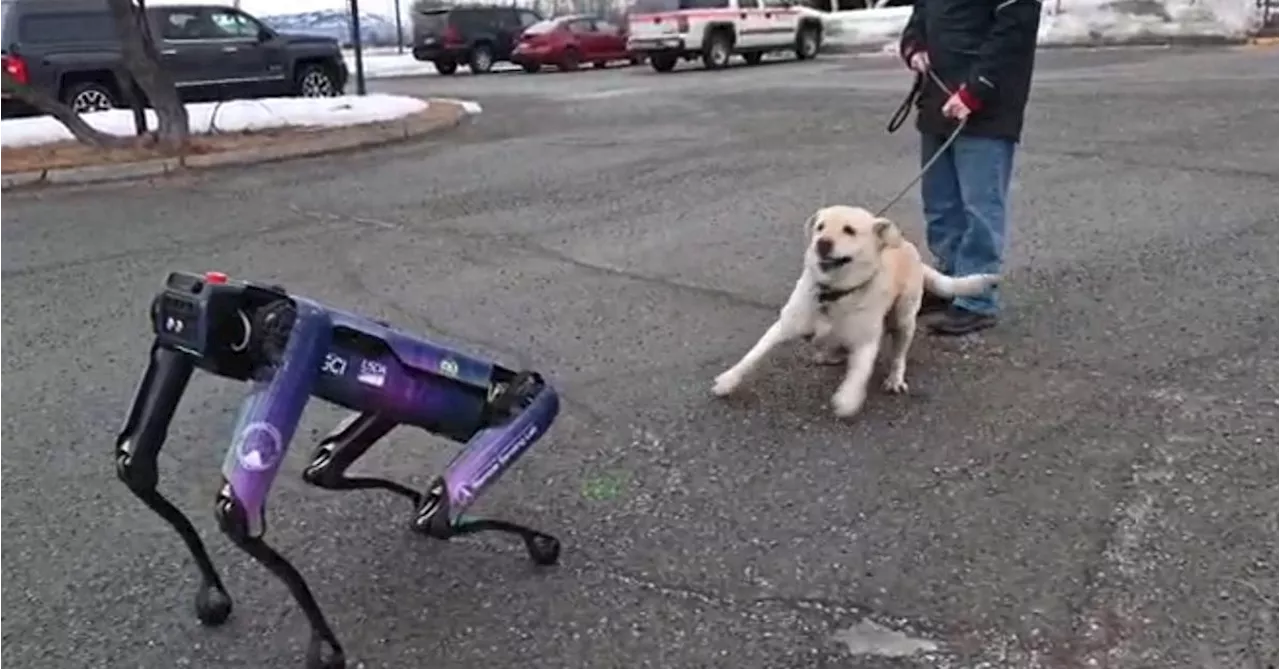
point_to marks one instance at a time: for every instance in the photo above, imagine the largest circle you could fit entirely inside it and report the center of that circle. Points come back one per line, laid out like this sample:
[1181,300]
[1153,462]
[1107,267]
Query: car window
[581,26]
[180,24]
[784,3]
[528,18]
[230,24]
[749,4]
[605,27]
[66,27]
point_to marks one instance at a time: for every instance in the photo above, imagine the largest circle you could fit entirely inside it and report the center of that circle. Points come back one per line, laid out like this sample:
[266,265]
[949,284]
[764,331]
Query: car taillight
[15,67]
[451,36]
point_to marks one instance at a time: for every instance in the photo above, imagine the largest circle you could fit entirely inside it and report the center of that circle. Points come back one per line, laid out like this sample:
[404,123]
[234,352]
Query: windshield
[542,28]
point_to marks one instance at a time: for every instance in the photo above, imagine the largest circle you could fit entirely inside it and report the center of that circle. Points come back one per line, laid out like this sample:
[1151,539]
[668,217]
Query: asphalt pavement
[1091,484]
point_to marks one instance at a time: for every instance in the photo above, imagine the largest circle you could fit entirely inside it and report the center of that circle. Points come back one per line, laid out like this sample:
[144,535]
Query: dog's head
[844,237]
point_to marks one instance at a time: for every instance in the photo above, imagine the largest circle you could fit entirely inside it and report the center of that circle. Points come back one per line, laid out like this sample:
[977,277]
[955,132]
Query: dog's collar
[828,294]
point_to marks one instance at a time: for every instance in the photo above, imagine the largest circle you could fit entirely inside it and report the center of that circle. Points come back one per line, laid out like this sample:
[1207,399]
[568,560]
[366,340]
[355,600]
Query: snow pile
[230,116]
[1121,21]
[1075,22]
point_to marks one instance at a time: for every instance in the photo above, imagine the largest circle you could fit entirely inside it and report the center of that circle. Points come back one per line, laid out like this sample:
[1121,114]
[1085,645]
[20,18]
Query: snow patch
[230,116]
[868,638]
[1074,22]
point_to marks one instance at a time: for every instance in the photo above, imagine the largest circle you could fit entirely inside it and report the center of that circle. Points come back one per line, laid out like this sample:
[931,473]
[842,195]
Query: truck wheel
[314,81]
[481,60]
[753,57]
[90,96]
[446,67]
[807,43]
[719,47]
[663,62]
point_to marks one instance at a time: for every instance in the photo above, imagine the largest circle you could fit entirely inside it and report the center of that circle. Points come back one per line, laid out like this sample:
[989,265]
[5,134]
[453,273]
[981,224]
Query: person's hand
[960,105]
[919,61]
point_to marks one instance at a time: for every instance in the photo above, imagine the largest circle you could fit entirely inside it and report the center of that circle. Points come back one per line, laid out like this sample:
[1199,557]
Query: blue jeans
[965,193]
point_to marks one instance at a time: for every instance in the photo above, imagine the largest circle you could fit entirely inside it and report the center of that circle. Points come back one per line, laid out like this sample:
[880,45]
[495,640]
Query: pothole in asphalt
[868,638]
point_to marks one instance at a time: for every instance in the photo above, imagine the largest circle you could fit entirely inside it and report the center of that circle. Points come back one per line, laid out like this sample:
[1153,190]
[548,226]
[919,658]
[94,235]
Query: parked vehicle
[667,31]
[568,41]
[69,49]
[478,35]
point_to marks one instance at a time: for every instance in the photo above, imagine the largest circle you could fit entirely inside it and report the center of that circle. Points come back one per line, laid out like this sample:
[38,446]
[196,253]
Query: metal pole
[355,42]
[399,30]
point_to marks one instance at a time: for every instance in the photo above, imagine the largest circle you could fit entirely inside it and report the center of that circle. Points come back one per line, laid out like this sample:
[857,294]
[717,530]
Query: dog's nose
[823,247]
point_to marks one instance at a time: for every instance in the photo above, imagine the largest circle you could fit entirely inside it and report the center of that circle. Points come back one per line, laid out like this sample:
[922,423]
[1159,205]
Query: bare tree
[141,79]
[142,60]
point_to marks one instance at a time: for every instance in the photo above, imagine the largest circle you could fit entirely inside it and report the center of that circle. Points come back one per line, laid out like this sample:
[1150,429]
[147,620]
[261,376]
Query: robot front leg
[138,448]
[525,409]
[342,447]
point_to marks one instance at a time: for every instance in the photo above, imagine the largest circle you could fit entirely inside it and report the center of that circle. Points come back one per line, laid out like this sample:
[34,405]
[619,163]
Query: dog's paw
[895,385]
[725,384]
[825,356]
[846,405]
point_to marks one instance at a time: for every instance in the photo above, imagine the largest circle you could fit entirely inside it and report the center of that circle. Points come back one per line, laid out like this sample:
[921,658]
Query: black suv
[68,49]
[478,35]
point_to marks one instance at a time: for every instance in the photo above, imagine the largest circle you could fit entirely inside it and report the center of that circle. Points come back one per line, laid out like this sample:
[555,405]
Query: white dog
[860,278]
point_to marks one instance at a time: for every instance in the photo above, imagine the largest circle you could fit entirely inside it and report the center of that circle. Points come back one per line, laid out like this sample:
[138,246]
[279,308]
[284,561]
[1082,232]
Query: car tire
[446,67]
[314,80]
[90,96]
[753,57]
[663,62]
[807,43]
[570,60]
[481,59]
[717,51]
[531,68]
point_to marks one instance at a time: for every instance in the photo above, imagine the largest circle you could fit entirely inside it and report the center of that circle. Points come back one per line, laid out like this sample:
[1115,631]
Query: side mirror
[264,35]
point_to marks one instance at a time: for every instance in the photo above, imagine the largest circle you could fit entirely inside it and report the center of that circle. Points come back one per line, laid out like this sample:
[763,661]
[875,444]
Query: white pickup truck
[666,31]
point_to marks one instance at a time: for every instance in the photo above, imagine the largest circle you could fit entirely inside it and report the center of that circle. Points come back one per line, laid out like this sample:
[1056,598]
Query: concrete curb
[368,136]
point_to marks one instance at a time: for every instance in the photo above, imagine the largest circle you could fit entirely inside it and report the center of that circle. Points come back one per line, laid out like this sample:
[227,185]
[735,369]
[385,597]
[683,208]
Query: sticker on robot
[259,447]
[334,365]
[372,373]
[449,367]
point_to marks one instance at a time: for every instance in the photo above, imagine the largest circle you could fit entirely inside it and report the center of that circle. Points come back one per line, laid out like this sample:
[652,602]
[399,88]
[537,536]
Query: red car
[568,41]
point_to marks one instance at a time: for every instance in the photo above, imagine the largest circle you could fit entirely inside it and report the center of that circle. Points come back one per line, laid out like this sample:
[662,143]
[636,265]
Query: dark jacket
[983,48]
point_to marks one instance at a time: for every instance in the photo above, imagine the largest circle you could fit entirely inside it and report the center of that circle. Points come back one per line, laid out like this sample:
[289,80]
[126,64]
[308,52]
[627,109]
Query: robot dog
[291,348]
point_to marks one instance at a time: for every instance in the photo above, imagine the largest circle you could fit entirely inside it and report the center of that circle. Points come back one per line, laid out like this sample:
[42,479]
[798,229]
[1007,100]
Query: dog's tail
[957,286]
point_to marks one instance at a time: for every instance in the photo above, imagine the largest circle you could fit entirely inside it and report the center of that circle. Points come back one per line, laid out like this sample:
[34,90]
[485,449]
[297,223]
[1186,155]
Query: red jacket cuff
[969,99]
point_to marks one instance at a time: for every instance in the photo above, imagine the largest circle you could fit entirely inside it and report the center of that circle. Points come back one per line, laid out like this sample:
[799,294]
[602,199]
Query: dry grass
[75,154]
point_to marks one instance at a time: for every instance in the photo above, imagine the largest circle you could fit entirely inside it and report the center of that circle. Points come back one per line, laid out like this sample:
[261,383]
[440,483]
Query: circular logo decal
[259,447]
[449,367]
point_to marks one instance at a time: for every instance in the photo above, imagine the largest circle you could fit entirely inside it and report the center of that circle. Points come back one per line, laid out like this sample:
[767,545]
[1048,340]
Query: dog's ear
[888,233]
[810,223]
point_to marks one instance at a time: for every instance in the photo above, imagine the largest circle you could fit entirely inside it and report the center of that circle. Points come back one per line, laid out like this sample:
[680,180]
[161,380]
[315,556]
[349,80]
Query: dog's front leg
[853,390]
[794,321]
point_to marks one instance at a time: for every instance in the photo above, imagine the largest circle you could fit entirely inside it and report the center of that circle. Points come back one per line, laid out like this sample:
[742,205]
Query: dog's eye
[821,226]
[848,230]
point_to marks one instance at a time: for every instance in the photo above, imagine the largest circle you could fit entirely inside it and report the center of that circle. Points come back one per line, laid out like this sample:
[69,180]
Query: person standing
[984,51]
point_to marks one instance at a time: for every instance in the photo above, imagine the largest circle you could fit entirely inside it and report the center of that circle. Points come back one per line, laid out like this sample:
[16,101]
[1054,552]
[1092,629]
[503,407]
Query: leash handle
[904,110]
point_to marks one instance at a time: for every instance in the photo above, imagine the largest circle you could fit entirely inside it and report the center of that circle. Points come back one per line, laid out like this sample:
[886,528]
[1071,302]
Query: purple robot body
[292,349]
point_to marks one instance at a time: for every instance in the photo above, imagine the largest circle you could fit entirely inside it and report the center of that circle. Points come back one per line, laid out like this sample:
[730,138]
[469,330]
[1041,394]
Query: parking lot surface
[1093,483]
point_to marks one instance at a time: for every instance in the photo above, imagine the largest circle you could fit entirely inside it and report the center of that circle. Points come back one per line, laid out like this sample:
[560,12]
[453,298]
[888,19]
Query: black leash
[900,116]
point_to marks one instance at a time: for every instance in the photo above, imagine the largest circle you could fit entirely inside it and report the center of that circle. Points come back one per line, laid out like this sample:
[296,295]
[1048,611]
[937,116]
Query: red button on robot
[215,277]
